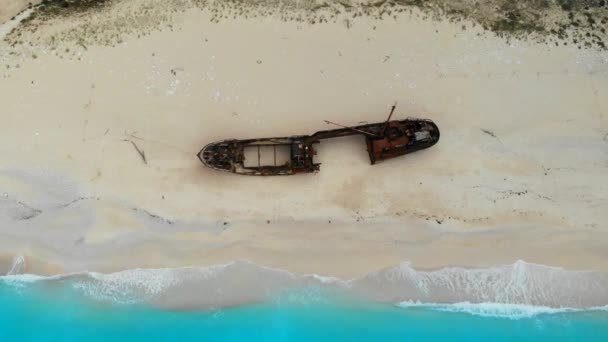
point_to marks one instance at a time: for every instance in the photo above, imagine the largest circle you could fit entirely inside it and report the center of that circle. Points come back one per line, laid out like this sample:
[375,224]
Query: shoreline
[304,248]
[241,283]
[518,174]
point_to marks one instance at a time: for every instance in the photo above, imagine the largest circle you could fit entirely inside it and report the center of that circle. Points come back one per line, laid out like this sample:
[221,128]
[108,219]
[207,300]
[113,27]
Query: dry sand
[521,171]
[10,8]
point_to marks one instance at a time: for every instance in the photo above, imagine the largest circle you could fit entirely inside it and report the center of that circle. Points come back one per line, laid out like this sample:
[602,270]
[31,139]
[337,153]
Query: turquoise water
[30,312]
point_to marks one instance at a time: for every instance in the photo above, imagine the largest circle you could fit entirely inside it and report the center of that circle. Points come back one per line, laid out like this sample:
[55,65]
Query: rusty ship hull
[295,154]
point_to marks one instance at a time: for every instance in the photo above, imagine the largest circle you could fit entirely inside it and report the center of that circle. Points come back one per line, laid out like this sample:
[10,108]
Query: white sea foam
[499,310]
[325,279]
[521,288]
[137,285]
[18,265]
[22,278]
[518,283]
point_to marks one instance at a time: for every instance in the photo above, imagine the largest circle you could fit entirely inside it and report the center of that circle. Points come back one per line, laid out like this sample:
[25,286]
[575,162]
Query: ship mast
[392,111]
[387,123]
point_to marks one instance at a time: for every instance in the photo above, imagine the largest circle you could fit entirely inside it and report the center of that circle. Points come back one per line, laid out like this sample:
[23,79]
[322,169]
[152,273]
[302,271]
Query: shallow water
[57,311]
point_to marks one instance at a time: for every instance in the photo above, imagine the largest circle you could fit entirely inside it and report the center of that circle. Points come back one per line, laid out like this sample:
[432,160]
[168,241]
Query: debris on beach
[294,154]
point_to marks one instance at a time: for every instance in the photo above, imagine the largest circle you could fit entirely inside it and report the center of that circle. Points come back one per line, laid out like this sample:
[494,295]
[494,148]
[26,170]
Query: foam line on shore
[483,291]
[498,310]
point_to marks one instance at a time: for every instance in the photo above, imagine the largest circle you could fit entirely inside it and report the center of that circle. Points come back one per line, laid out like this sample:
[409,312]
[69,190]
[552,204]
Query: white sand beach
[11,8]
[520,172]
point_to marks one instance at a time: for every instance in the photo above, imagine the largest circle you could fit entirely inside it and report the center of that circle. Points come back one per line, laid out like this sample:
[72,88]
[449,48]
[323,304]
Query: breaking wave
[498,310]
[518,283]
[517,290]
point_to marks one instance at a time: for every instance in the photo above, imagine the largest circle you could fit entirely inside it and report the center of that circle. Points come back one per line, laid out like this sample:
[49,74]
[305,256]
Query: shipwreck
[295,154]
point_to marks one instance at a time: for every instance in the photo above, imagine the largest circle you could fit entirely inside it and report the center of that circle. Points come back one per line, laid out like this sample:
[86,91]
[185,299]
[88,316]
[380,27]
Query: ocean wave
[514,290]
[518,283]
[498,310]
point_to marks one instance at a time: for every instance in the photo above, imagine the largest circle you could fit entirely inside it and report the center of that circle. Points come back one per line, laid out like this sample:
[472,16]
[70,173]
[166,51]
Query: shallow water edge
[242,282]
[62,313]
